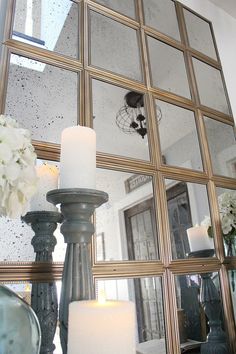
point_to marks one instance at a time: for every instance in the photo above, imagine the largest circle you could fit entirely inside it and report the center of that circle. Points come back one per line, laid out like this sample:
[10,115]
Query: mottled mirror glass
[222,145]
[168,68]
[126,224]
[210,87]
[188,206]
[178,136]
[125,7]
[51,25]
[232,279]
[146,293]
[192,320]
[227,208]
[41,97]
[199,34]
[161,15]
[16,237]
[114,46]
[116,113]
[24,290]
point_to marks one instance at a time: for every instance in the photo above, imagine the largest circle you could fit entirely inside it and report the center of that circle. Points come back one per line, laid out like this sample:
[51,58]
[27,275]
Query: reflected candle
[198,238]
[47,180]
[78,158]
[101,327]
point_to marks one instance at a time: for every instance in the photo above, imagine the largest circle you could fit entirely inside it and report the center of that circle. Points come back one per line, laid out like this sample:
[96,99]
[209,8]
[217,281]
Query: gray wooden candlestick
[44,295]
[77,207]
[216,342]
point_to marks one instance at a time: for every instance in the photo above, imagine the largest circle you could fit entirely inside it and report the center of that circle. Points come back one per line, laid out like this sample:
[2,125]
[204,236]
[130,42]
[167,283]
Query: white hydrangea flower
[18,180]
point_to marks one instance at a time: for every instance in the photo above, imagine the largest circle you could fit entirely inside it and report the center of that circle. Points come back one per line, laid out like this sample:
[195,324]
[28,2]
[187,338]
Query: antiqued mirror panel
[146,293]
[52,25]
[192,320]
[126,224]
[120,121]
[188,207]
[199,34]
[114,47]
[227,208]
[178,136]
[33,294]
[41,97]
[125,7]
[168,68]
[161,15]
[232,279]
[16,235]
[222,145]
[210,87]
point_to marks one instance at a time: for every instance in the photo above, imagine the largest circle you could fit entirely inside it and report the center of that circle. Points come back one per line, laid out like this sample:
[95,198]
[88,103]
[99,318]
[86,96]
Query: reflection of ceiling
[227,5]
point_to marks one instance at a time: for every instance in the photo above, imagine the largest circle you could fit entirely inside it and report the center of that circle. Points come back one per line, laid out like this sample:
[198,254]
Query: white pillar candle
[198,238]
[78,158]
[47,180]
[101,328]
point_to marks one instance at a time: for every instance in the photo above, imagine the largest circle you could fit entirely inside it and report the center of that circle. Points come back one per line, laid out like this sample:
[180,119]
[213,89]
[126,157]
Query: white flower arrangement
[227,209]
[18,180]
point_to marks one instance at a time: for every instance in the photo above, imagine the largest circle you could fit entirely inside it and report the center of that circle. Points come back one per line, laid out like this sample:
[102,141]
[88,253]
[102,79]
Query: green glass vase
[19,327]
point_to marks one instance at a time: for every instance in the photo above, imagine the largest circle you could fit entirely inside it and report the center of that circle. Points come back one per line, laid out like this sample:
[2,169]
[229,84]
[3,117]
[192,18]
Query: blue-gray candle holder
[77,208]
[44,295]
[216,342]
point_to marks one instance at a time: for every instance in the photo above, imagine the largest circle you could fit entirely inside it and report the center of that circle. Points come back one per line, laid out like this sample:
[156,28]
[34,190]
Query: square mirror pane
[168,68]
[126,224]
[120,121]
[41,97]
[178,136]
[51,25]
[114,47]
[222,145]
[227,209]
[199,34]
[146,293]
[210,87]
[161,15]
[232,279]
[18,247]
[192,320]
[125,7]
[188,207]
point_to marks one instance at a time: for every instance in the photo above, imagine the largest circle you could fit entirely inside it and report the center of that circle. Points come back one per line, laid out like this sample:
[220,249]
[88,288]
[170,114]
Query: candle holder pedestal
[216,342]
[77,207]
[44,295]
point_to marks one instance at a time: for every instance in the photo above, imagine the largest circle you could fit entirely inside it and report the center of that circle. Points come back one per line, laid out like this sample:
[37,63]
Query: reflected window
[125,7]
[168,68]
[161,15]
[120,121]
[126,225]
[114,47]
[188,206]
[41,97]
[210,87]
[51,25]
[178,137]
[222,145]
[146,293]
[199,34]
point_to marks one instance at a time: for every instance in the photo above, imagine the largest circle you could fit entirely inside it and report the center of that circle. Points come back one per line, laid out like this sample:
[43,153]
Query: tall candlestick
[78,158]
[198,238]
[47,180]
[104,328]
